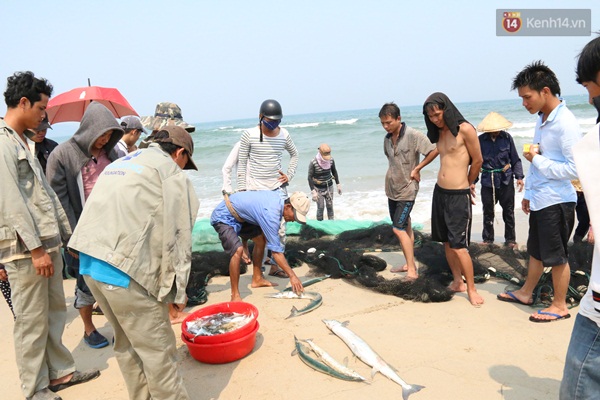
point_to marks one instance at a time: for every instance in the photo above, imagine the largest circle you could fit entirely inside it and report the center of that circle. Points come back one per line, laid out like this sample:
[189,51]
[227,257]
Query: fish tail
[293,312]
[408,391]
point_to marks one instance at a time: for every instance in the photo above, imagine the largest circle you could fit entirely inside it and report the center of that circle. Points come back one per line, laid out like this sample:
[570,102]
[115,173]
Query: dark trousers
[583,218]
[505,195]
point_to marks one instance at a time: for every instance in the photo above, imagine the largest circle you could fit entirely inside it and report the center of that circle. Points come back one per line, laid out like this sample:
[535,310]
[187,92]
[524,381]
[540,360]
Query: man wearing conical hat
[501,166]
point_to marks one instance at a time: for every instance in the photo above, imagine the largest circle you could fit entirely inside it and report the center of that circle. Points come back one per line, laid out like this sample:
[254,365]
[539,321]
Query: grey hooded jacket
[67,160]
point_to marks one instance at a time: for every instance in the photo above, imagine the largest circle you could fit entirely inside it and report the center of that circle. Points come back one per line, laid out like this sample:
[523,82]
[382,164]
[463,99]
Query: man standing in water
[460,162]
[403,147]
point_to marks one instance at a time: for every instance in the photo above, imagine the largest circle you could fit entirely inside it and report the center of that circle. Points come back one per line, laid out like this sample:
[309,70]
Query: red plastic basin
[221,353]
[229,306]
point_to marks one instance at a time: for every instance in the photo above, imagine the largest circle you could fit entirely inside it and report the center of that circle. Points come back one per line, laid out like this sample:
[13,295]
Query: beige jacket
[30,213]
[139,218]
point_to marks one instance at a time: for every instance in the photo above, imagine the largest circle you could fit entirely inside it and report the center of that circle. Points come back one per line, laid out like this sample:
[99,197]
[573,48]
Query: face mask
[271,125]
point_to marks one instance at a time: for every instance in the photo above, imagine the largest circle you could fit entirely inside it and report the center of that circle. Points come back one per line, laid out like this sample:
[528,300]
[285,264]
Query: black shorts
[230,240]
[451,217]
[400,213]
[549,232]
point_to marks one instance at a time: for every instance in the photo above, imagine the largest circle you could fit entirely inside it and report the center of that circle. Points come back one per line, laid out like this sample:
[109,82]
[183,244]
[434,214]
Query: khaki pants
[144,341]
[40,310]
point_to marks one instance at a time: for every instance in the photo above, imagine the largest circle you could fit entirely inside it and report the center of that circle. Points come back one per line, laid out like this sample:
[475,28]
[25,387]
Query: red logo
[511,22]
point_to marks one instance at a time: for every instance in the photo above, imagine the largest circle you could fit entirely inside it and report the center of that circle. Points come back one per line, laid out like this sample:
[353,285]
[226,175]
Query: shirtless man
[460,162]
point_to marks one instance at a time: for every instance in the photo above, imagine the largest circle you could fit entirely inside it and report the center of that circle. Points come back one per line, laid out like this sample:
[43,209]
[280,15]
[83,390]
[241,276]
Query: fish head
[331,323]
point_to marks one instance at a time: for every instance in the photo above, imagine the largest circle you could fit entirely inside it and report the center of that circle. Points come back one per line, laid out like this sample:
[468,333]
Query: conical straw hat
[494,122]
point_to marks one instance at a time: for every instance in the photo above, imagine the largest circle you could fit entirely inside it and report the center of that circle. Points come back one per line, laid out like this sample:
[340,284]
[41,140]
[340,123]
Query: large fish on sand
[303,353]
[315,301]
[332,362]
[367,355]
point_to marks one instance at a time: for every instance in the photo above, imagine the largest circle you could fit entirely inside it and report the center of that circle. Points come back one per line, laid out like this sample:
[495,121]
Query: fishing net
[342,256]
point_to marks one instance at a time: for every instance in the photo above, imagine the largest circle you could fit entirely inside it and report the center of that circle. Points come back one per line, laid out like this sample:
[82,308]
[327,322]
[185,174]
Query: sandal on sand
[279,274]
[557,317]
[78,377]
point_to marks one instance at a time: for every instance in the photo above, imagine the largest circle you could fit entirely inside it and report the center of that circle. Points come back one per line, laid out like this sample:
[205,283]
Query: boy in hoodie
[73,169]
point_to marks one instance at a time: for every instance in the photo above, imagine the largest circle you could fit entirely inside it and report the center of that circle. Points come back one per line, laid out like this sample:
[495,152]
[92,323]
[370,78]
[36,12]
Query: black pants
[583,218]
[505,195]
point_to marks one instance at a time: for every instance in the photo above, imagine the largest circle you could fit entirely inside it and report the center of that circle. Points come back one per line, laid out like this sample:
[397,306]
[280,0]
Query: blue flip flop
[557,317]
[512,299]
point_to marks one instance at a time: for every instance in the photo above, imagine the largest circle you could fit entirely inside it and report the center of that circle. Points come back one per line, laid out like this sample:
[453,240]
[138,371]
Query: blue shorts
[400,213]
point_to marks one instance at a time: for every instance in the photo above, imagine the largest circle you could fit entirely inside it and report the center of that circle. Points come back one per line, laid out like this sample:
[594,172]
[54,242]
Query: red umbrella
[71,105]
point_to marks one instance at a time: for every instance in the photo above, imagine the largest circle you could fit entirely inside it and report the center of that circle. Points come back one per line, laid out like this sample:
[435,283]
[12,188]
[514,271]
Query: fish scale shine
[367,355]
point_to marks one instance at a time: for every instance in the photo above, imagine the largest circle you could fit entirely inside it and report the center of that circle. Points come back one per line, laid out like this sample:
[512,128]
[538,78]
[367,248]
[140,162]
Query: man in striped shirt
[261,151]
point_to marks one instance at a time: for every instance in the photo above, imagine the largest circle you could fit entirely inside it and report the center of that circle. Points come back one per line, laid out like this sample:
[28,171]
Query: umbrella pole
[89,84]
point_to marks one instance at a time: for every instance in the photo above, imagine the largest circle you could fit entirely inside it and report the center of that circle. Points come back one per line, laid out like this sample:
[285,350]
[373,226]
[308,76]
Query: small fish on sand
[315,301]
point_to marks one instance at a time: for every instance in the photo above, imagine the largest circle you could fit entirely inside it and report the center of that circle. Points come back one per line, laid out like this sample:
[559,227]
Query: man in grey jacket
[32,227]
[134,240]
[73,168]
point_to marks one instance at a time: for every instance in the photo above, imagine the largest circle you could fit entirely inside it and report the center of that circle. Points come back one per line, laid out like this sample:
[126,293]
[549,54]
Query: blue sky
[220,59]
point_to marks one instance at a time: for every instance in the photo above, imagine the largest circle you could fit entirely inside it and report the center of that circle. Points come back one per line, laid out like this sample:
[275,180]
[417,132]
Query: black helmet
[271,109]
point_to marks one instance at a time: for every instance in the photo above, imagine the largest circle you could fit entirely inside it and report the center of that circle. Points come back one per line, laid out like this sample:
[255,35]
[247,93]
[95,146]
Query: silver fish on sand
[332,362]
[309,282]
[315,301]
[367,355]
[303,353]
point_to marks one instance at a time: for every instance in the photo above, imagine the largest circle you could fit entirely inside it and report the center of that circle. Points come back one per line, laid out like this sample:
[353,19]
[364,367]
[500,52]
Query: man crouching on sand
[460,162]
[257,215]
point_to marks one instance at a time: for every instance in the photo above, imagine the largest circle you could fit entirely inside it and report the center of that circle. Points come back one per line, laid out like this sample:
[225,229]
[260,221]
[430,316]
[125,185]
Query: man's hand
[533,151]
[525,206]
[296,284]
[473,194]
[282,177]
[415,174]
[590,236]
[339,188]
[42,262]
[520,184]
[315,195]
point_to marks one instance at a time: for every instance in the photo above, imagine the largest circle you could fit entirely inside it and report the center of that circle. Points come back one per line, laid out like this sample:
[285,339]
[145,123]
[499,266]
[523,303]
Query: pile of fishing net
[342,256]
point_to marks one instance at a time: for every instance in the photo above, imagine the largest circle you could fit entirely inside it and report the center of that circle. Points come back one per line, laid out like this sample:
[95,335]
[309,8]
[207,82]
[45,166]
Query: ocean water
[356,139]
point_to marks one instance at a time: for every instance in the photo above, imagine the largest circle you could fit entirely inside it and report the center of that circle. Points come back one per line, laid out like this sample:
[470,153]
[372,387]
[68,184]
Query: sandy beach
[453,349]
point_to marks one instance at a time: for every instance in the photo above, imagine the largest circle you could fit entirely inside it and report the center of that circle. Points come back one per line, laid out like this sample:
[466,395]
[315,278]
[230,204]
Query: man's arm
[231,162]
[244,152]
[416,173]
[291,148]
[516,164]
[472,144]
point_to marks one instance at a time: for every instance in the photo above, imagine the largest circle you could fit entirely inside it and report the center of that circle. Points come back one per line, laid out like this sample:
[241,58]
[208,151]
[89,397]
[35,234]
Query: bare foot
[475,299]
[411,276]
[236,297]
[458,287]
[262,282]
[178,318]
[397,269]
